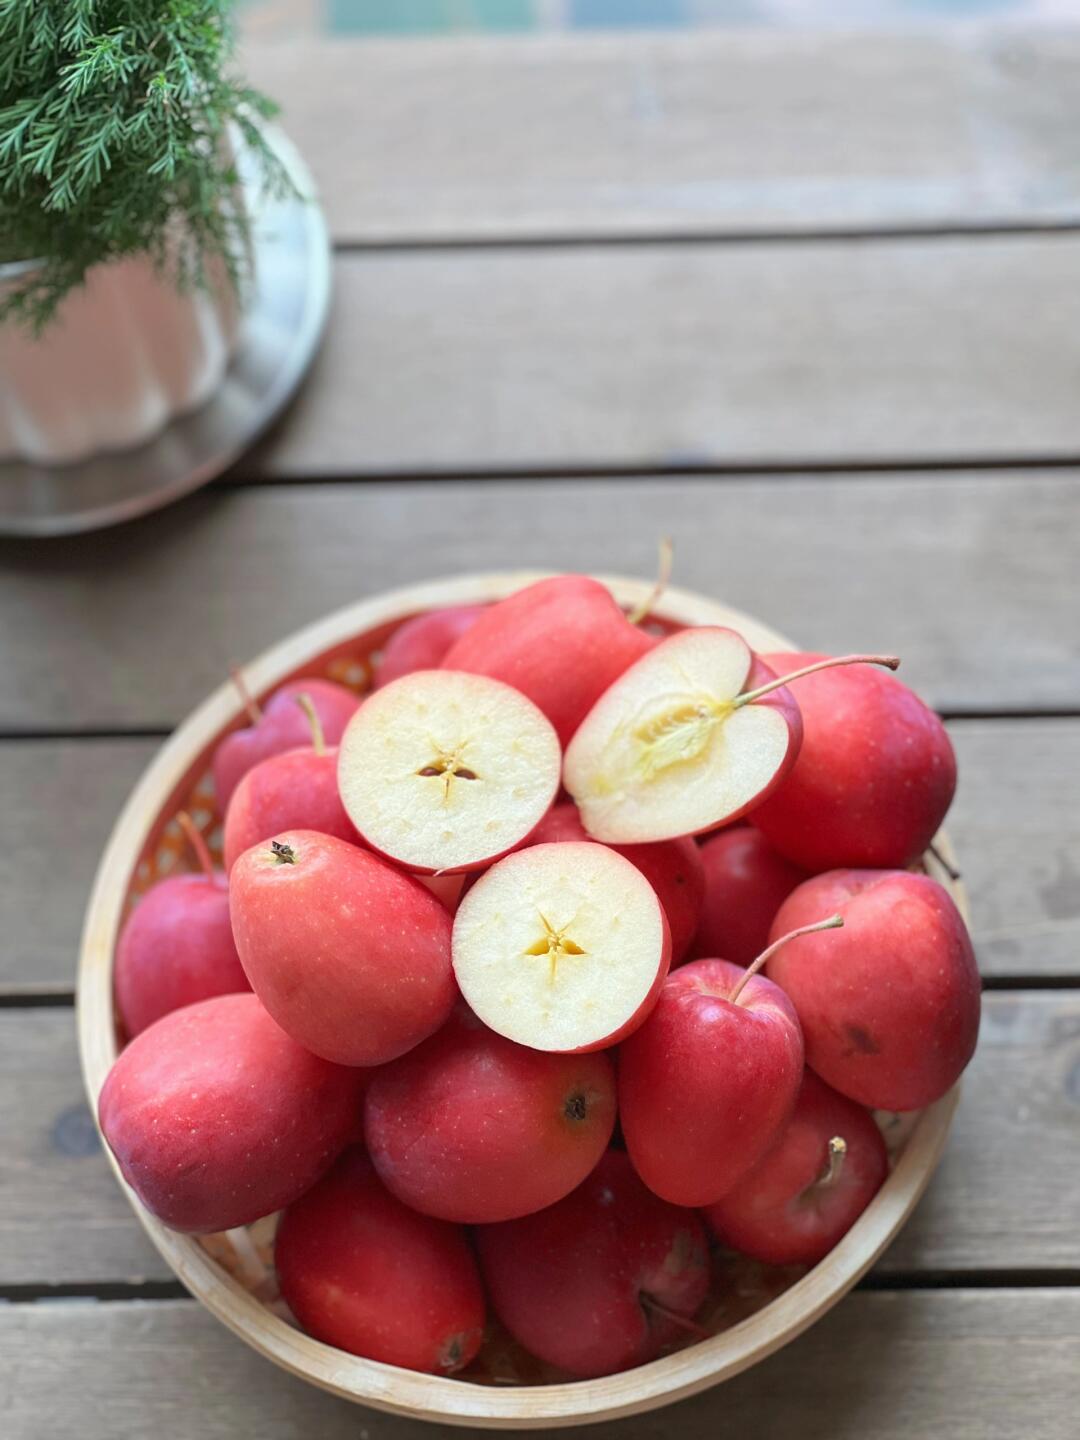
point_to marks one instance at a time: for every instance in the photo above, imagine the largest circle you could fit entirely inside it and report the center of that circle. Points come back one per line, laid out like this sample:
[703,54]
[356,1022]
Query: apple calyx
[576,1106]
[307,705]
[834,922]
[282,854]
[890,662]
[653,1307]
[641,612]
[195,838]
[250,704]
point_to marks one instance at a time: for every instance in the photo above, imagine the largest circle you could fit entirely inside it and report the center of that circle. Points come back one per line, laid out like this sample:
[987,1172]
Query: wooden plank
[679,133]
[1012,1154]
[59,800]
[1015,824]
[963,576]
[973,1365]
[723,354]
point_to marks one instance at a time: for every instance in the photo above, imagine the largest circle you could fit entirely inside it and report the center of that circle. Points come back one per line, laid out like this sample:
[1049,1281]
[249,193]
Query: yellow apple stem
[833,1165]
[250,704]
[197,841]
[834,922]
[663,575]
[318,739]
[891,662]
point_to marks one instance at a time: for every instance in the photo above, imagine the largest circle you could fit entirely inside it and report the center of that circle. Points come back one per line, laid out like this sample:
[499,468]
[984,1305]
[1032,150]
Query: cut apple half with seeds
[562,947]
[682,742]
[444,771]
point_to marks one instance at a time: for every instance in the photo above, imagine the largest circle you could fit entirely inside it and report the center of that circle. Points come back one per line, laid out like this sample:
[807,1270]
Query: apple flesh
[348,955]
[889,1008]
[672,867]
[364,1273]
[442,771]
[561,947]
[422,642]
[681,742]
[471,1127]
[710,1079]
[603,1280]
[746,882]
[561,642]
[281,725]
[873,780]
[216,1117]
[177,946]
[805,1194]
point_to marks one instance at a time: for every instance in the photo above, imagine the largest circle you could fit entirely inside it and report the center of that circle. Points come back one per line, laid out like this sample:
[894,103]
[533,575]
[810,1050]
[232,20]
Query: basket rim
[385,1387]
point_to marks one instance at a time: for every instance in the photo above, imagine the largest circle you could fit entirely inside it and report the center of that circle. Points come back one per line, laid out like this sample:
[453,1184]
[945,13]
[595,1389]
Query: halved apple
[562,947]
[444,771]
[691,736]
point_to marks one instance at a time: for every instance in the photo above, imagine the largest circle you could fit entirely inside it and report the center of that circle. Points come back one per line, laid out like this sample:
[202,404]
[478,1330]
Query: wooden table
[809,304]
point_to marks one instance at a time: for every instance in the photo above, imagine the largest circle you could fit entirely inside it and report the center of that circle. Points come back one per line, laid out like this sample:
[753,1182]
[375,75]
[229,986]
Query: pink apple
[746,882]
[280,725]
[561,947]
[561,642]
[216,1117]
[177,945]
[873,780]
[805,1194]
[672,867]
[422,642]
[603,1280]
[442,771]
[709,1080]
[296,790]
[889,1008]
[364,1273]
[471,1127]
[350,956]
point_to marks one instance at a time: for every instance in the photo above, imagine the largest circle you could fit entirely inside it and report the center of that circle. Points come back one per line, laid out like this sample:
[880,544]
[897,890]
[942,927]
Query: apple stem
[891,662]
[682,1321]
[950,870]
[834,922]
[833,1165]
[197,841]
[663,575]
[250,704]
[318,739]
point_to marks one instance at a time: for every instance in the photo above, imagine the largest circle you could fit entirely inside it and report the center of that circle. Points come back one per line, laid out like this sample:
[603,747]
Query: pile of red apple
[481,931]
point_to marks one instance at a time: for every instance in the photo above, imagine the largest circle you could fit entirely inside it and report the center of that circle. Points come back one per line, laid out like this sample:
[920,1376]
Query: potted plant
[124,235]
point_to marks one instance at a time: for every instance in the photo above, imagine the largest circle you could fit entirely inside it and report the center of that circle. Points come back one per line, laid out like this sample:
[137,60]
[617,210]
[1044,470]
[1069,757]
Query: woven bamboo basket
[754,1310]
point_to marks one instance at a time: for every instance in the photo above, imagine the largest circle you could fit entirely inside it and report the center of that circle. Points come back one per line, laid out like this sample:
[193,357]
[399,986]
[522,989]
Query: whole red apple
[422,642]
[361,1271]
[603,1280]
[349,955]
[216,1117]
[177,945]
[890,1007]
[873,780]
[745,883]
[709,1079]
[280,725]
[672,867]
[296,790]
[561,642]
[472,1127]
[808,1190]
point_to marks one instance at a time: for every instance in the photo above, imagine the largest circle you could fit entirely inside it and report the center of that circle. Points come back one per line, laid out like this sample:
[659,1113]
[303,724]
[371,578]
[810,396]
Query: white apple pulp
[665,752]
[444,771]
[560,946]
